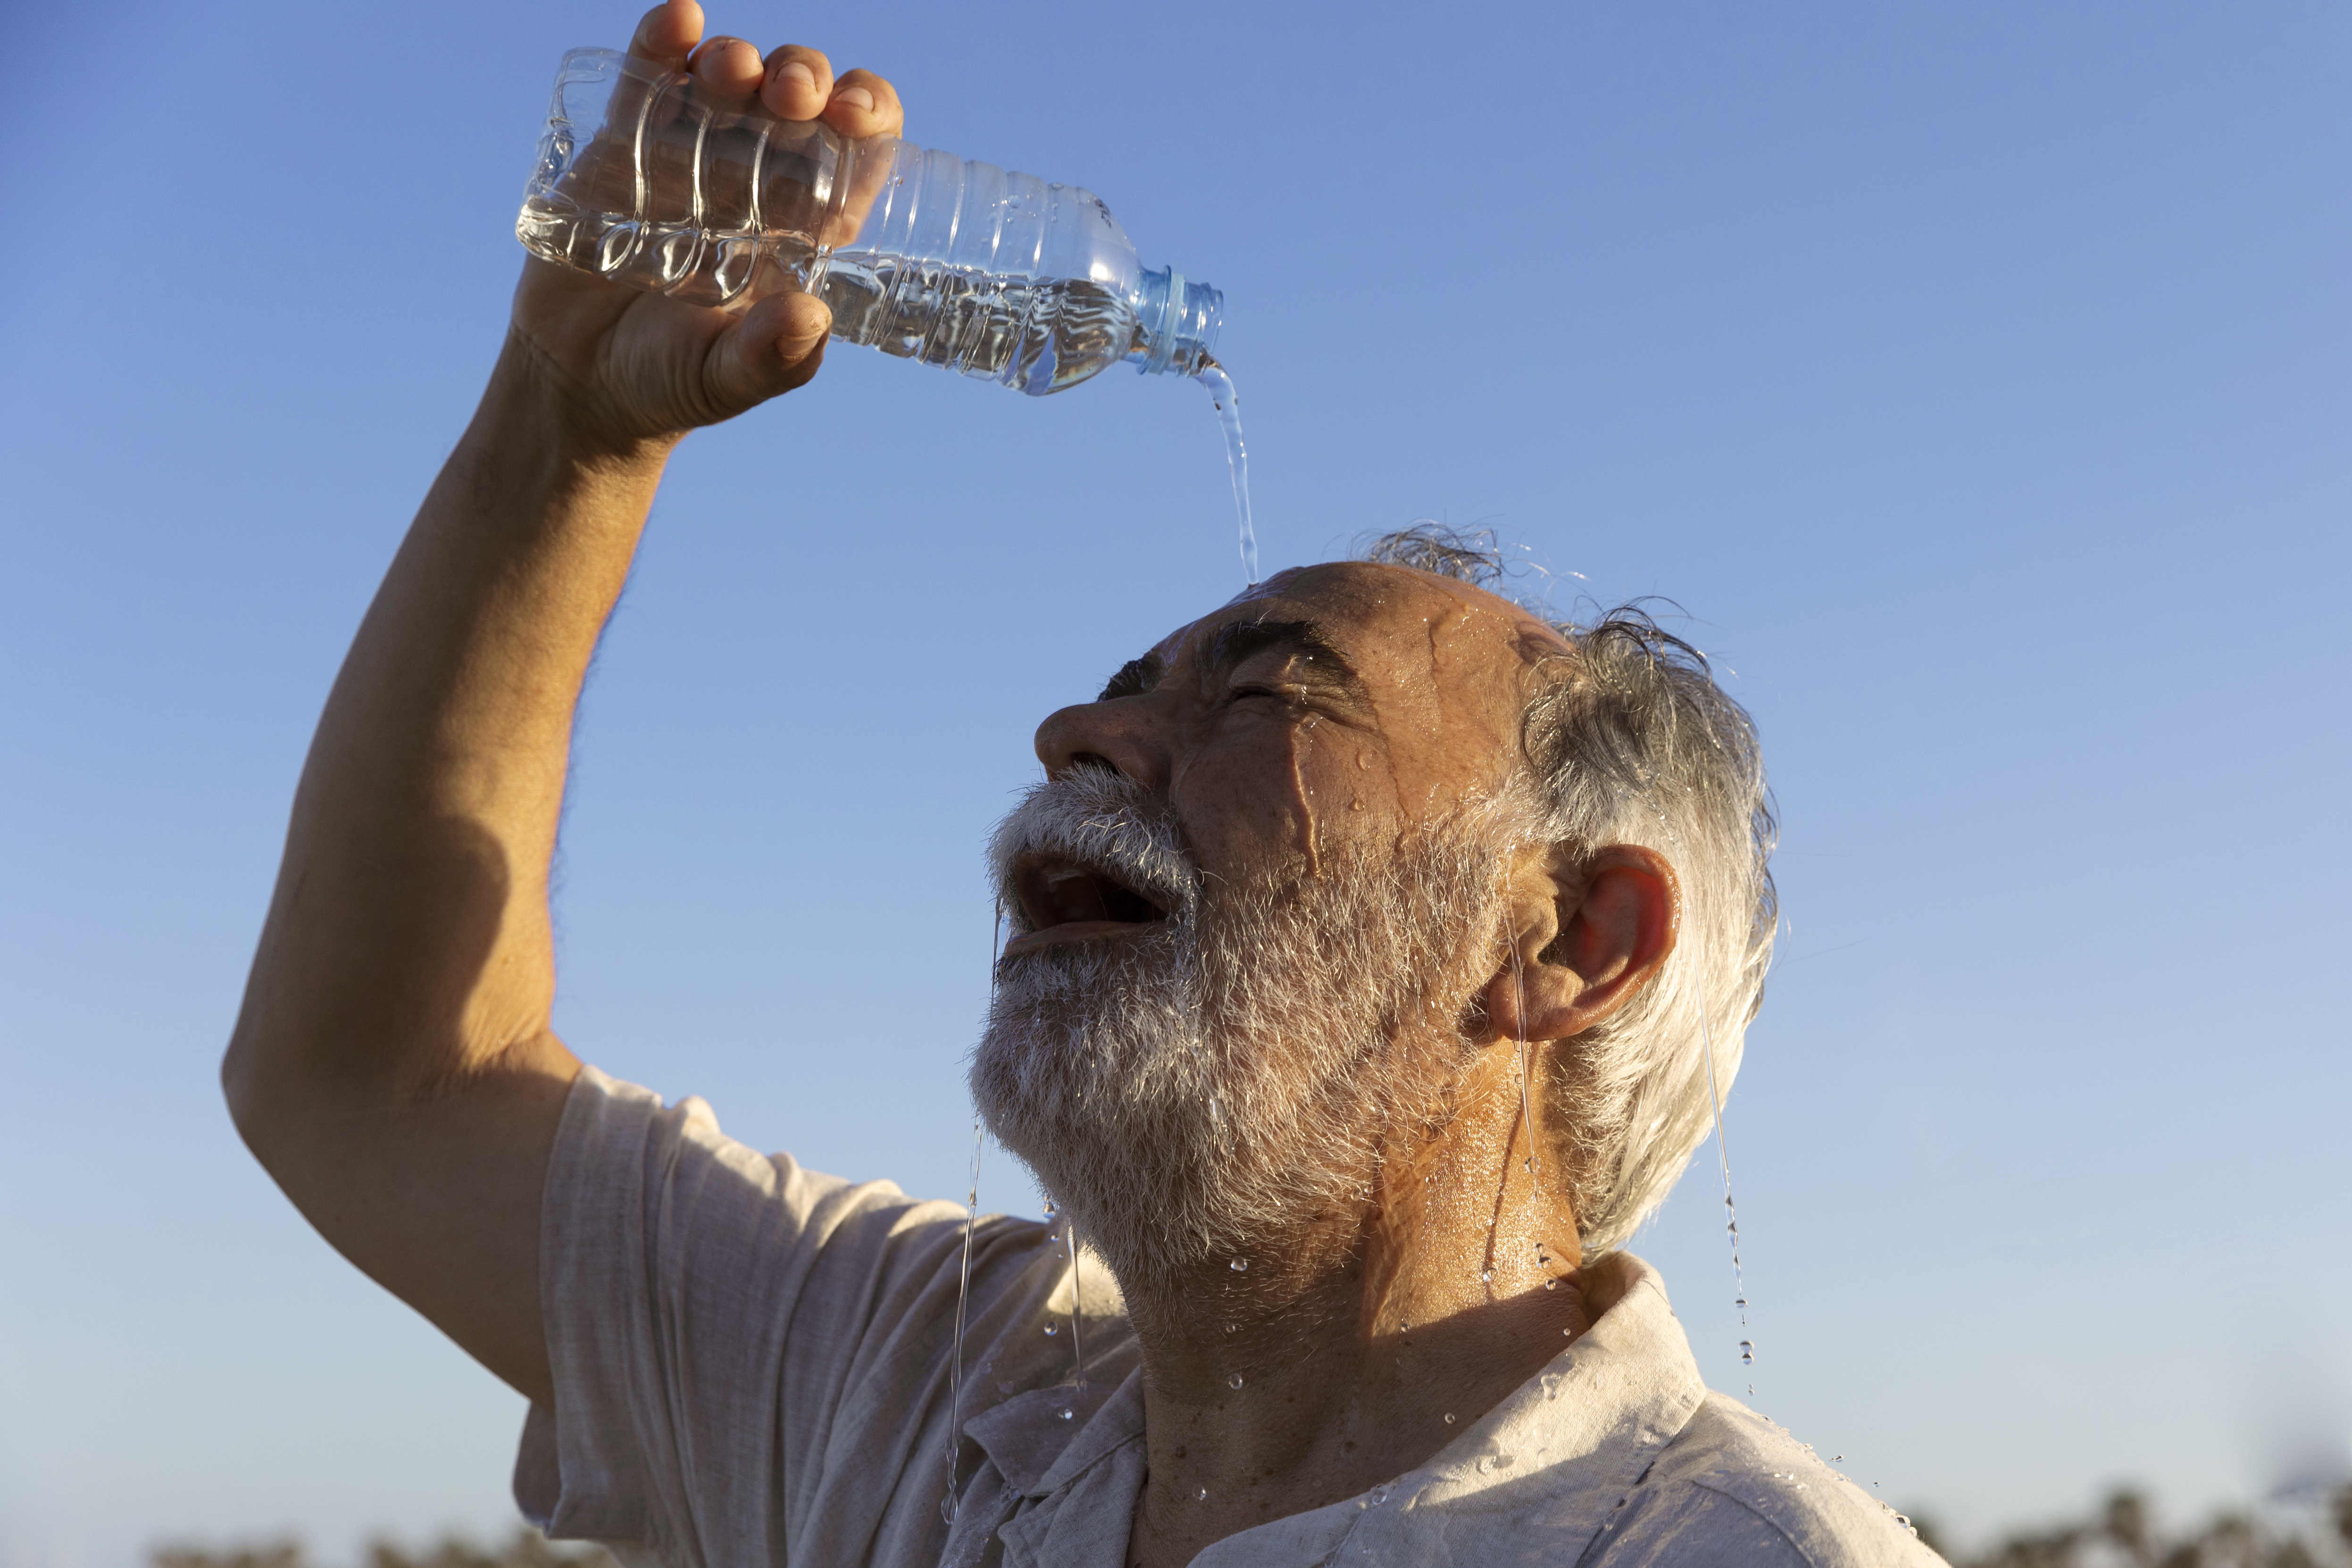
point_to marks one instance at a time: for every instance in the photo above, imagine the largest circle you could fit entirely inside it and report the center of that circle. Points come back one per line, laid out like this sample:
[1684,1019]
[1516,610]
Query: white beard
[1213,1084]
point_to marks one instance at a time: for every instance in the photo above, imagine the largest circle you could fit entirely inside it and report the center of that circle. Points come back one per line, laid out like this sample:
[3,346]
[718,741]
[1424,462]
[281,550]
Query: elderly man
[1372,943]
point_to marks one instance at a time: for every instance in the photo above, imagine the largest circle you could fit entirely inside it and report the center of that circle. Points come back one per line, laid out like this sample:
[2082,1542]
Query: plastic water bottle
[647,178]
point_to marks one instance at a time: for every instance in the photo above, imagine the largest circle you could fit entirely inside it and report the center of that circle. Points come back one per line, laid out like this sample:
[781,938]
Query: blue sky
[1975,378]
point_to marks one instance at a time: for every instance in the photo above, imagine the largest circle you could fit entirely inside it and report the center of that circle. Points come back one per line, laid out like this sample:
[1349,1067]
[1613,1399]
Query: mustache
[1106,822]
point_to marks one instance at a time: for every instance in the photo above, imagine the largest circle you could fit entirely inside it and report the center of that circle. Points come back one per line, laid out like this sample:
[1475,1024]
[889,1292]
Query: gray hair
[1628,740]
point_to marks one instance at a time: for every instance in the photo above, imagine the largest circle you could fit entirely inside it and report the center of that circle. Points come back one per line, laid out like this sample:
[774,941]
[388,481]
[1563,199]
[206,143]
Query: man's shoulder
[1731,1488]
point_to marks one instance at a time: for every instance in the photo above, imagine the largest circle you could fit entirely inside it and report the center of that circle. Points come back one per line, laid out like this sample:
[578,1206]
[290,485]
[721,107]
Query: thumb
[775,347]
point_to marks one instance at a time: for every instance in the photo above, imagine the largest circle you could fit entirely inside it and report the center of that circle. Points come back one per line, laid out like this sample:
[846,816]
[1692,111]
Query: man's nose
[1119,735]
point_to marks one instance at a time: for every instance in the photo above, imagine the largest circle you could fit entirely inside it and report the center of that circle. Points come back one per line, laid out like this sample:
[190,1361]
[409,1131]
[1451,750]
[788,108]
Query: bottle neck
[1176,324]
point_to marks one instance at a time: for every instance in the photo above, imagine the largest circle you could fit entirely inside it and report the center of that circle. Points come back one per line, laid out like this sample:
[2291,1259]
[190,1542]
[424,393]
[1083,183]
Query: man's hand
[639,367]
[394,1067]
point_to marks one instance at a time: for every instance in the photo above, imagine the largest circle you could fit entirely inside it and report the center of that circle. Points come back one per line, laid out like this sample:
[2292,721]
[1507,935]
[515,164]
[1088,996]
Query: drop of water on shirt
[1053,1329]
[1199,1494]
[1241,1265]
[1229,413]
[1551,1284]
[1235,1381]
[1379,1494]
[1449,1418]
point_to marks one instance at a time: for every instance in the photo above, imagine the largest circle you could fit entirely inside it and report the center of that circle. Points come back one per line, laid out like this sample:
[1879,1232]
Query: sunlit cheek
[1252,803]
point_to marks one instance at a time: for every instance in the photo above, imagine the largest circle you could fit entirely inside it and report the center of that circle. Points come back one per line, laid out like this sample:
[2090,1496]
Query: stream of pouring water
[963,1275]
[1229,413]
[1730,1214]
[1078,1305]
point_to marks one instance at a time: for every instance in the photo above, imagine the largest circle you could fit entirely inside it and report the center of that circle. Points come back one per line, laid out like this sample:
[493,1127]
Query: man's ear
[1590,932]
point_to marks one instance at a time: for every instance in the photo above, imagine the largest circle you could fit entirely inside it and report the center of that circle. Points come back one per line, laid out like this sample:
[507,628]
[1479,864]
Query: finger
[777,346]
[667,33]
[729,67]
[799,82]
[863,104]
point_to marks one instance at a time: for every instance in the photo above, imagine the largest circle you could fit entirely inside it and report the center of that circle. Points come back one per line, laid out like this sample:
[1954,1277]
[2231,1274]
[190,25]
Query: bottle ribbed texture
[918,253]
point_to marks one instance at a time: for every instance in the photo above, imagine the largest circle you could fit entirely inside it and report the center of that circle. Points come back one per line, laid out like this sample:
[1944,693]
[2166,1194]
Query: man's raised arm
[393,1066]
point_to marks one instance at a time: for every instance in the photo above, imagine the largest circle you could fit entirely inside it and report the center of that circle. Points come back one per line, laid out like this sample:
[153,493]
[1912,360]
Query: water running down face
[1254,903]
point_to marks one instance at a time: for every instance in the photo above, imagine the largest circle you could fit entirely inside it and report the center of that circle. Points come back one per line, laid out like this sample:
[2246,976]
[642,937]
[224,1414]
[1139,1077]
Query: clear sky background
[1976,377]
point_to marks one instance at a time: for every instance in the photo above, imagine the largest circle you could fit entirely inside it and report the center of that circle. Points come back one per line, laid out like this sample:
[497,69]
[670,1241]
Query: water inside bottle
[1213,376]
[1037,334]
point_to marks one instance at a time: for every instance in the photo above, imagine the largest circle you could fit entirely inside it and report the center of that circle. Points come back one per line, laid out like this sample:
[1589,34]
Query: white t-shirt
[752,1367]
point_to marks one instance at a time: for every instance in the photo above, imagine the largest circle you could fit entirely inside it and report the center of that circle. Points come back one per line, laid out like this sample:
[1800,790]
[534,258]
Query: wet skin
[1336,702]
[1358,704]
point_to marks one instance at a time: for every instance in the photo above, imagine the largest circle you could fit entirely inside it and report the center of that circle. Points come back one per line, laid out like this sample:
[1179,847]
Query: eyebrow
[1244,639]
[1239,641]
[1135,677]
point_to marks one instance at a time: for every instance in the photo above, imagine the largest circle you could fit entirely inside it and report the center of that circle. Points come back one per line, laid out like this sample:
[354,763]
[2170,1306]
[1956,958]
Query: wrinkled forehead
[1394,617]
[1440,668]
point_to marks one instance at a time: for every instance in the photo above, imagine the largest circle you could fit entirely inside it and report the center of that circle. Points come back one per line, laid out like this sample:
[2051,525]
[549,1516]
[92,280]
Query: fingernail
[795,74]
[854,98]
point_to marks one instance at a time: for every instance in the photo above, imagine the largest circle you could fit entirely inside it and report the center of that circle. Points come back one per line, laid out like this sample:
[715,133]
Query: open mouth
[1066,901]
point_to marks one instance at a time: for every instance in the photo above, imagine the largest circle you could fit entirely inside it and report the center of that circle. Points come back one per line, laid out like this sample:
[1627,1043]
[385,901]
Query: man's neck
[1301,1382]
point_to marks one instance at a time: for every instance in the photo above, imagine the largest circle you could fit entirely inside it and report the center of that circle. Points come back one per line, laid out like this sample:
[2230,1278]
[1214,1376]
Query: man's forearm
[408,941]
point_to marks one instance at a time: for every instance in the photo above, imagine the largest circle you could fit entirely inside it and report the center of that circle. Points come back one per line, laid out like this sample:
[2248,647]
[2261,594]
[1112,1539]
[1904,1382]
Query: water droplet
[1551,1284]
[1740,1302]
[1199,1494]
[1485,1465]
[1241,1266]
[1235,1381]
[1449,1418]
[1902,1520]
[1233,1327]
[1380,1493]
[1068,1414]
[946,1509]
[1053,1329]
[1050,1210]
[1486,1276]
[1748,1353]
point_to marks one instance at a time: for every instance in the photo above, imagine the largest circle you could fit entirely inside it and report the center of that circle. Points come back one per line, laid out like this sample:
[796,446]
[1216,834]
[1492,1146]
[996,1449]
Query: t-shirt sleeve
[710,1312]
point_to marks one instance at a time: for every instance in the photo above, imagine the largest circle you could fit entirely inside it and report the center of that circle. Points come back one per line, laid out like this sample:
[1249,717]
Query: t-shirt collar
[1567,1443]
